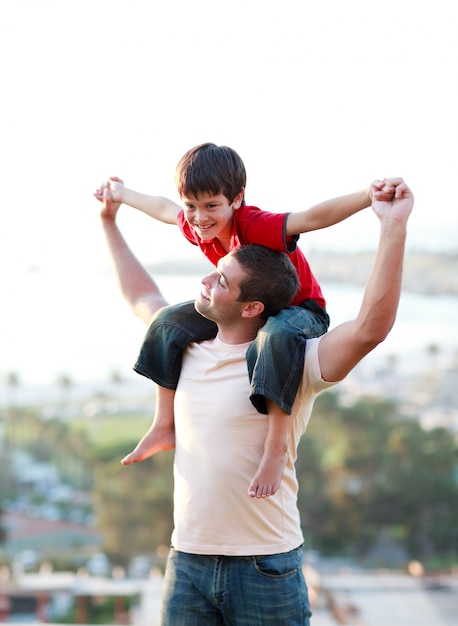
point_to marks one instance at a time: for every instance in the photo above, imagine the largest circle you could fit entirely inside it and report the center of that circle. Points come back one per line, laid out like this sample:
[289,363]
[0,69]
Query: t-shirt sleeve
[312,369]
[264,228]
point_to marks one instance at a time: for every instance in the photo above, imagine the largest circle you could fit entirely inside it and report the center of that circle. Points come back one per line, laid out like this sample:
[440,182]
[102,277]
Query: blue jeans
[275,359]
[204,590]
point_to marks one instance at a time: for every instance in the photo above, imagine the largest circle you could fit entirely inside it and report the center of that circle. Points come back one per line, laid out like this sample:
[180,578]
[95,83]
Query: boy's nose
[201,215]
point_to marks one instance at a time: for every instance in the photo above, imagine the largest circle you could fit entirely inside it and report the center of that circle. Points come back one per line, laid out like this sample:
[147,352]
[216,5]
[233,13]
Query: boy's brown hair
[211,169]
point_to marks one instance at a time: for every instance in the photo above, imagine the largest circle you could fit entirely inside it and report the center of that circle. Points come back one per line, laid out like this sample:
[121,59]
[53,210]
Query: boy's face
[211,216]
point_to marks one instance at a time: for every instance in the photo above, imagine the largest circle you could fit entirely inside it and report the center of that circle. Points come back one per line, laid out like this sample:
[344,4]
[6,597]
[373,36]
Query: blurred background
[318,99]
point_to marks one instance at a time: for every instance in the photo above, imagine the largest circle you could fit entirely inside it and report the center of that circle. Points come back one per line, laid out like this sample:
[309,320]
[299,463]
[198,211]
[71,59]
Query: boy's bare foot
[157,439]
[267,479]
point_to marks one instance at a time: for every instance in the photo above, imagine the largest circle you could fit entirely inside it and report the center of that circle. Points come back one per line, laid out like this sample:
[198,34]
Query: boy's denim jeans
[275,359]
[202,590]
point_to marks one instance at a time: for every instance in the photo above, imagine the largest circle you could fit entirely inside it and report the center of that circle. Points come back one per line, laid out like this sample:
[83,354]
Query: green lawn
[110,430]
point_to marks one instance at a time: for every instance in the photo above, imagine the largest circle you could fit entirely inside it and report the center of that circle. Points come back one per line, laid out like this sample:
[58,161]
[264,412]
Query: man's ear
[237,203]
[252,309]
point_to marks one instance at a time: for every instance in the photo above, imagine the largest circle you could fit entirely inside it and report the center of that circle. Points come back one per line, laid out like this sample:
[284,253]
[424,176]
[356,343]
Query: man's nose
[208,280]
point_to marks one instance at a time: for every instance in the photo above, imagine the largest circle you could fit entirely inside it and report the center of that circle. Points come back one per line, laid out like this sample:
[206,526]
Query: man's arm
[158,207]
[136,285]
[343,347]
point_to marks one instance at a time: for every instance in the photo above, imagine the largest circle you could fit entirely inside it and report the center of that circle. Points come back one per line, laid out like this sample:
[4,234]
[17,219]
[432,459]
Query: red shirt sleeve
[252,225]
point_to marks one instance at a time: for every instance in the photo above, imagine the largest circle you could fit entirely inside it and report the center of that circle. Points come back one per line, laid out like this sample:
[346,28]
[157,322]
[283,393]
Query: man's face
[209,215]
[218,300]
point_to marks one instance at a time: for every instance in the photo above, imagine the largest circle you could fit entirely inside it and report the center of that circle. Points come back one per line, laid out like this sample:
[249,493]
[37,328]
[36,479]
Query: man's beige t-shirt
[219,443]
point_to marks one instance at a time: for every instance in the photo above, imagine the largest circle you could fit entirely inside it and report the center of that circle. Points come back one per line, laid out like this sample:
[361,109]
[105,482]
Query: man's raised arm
[344,346]
[136,285]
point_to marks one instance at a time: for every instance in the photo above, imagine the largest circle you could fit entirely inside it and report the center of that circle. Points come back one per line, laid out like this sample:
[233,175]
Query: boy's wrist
[126,196]
[369,195]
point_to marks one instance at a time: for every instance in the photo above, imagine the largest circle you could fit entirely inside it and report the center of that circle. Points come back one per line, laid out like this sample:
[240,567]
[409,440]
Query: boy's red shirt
[253,225]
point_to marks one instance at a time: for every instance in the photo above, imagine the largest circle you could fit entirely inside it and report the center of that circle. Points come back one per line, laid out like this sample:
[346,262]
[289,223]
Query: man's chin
[199,308]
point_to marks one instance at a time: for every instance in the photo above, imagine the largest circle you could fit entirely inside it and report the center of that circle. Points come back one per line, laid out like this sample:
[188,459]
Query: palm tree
[432,350]
[12,384]
[65,382]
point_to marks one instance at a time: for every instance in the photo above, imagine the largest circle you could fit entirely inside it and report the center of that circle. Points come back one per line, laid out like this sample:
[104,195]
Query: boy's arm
[160,208]
[344,346]
[327,213]
[136,285]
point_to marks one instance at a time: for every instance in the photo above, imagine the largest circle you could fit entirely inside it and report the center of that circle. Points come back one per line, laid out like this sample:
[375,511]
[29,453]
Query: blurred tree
[133,504]
[363,469]
[13,382]
[115,377]
[6,488]
[416,487]
[12,385]
[65,382]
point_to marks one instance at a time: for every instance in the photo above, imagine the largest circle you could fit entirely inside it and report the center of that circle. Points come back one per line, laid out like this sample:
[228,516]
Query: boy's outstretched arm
[158,207]
[332,211]
[138,288]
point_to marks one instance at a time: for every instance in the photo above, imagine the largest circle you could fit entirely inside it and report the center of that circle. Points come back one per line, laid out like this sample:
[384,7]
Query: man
[236,560]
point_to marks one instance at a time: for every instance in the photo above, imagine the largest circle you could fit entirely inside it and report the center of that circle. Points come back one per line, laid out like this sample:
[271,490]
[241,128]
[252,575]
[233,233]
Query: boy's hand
[117,188]
[384,189]
[115,185]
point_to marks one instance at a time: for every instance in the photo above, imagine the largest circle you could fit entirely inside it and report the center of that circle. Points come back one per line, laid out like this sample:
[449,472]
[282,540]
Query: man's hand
[109,207]
[392,198]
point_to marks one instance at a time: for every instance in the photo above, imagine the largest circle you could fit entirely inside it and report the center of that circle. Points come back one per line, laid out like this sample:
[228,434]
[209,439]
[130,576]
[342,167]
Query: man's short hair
[211,169]
[272,278]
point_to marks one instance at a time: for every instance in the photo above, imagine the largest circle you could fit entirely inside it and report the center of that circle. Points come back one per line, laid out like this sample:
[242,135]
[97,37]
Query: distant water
[85,330]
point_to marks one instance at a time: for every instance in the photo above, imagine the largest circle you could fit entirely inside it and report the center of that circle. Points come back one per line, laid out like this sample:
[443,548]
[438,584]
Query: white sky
[319,98]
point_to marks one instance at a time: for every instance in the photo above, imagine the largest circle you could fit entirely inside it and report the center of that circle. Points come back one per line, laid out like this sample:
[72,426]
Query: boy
[211,182]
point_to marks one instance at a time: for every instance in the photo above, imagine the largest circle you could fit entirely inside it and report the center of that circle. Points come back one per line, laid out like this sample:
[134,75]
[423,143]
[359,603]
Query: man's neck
[239,333]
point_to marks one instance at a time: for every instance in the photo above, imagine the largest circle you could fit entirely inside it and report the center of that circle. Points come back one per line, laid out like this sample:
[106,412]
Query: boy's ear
[252,309]
[238,199]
